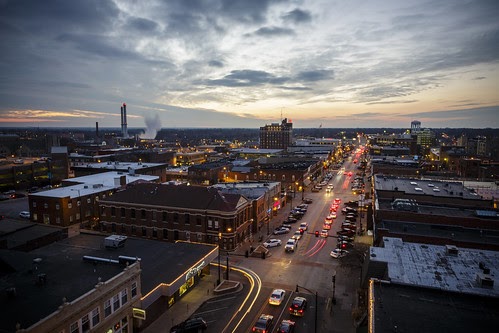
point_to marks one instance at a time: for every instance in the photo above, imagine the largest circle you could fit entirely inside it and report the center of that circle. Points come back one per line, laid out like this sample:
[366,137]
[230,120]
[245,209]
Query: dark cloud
[44,16]
[97,45]
[316,75]
[246,78]
[273,31]
[142,24]
[297,16]
[215,63]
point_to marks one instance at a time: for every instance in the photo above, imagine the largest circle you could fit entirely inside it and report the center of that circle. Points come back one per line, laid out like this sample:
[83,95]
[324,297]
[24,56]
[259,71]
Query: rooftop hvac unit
[451,250]
[484,280]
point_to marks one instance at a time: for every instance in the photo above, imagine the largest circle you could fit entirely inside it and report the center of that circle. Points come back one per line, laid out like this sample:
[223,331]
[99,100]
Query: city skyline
[245,64]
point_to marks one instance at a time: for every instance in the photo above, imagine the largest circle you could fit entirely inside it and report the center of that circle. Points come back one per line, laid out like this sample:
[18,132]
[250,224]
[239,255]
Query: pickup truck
[291,245]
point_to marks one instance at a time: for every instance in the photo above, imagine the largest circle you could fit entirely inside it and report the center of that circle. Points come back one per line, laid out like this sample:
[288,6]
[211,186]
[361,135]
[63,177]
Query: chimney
[97,129]
[125,130]
[122,120]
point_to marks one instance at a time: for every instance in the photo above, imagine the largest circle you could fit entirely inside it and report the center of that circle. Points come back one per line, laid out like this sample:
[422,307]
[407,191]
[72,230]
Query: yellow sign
[139,313]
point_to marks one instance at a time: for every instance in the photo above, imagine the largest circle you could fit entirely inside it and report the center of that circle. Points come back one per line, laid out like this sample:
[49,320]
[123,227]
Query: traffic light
[302,231]
[316,233]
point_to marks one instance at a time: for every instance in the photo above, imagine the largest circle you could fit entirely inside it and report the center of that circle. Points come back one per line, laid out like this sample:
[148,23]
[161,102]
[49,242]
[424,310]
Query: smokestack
[122,121]
[97,129]
[124,128]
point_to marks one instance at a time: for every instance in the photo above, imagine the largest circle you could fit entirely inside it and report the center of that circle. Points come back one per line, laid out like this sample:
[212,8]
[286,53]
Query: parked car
[281,231]
[338,253]
[277,296]
[263,324]
[347,232]
[308,200]
[25,215]
[287,326]
[298,306]
[192,325]
[272,243]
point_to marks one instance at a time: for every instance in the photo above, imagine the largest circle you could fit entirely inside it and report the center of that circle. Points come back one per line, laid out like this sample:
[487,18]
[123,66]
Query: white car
[25,215]
[338,253]
[272,243]
[304,226]
[291,245]
[297,235]
[281,231]
[277,297]
[324,233]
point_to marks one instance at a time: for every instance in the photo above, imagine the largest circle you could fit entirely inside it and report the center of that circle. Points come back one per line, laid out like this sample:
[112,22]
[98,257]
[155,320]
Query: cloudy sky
[244,63]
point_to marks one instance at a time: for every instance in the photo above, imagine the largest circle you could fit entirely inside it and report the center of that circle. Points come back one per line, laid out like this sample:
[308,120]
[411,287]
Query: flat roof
[107,178]
[435,188]
[74,191]
[24,231]
[161,262]
[402,308]
[430,266]
[124,166]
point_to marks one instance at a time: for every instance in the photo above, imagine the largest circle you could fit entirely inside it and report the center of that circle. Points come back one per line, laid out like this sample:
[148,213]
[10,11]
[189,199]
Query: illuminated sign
[193,271]
[139,313]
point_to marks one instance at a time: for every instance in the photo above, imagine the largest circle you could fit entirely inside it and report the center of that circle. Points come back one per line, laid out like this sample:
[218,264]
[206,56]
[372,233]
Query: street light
[310,291]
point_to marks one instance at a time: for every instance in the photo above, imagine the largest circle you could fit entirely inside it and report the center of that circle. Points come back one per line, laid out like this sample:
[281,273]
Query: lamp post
[310,291]
[334,286]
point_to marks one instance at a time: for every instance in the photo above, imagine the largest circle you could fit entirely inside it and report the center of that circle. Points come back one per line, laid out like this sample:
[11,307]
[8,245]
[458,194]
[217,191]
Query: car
[281,231]
[298,306]
[263,324]
[346,232]
[344,245]
[25,215]
[285,225]
[337,200]
[303,206]
[277,296]
[338,253]
[291,245]
[326,226]
[351,203]
[308,200]
[297,235]
[324,233]
[272,243]
[345,238]
[304,226]
[291,220]
[287,326]
[331,215]
[192,325]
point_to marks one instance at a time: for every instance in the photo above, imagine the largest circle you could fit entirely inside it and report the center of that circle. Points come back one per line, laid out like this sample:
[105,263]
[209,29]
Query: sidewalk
[185,307]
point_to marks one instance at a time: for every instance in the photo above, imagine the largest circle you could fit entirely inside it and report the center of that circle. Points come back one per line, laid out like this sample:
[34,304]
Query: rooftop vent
[451,250]
[484,280]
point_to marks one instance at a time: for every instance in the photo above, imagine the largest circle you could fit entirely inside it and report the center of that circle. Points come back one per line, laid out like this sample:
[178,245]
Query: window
[216,225]
[58,220]
[116,302]
[165,233]
[34,204]
[144,231]
[124,296]
[143,214]
[198,221]
[70,205]
[134,229]
[107,308]
[113,211]
[187,218]
[134,289]
[95,317]
[154,213]
[97,198]
[88,200]
[175,217]
[155,232]
[210,224]
[132,213]
[57,206]
[78,203]
[74,328]
[122,212]
[70,218]
[85,324]
[165,215]
[45,205]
